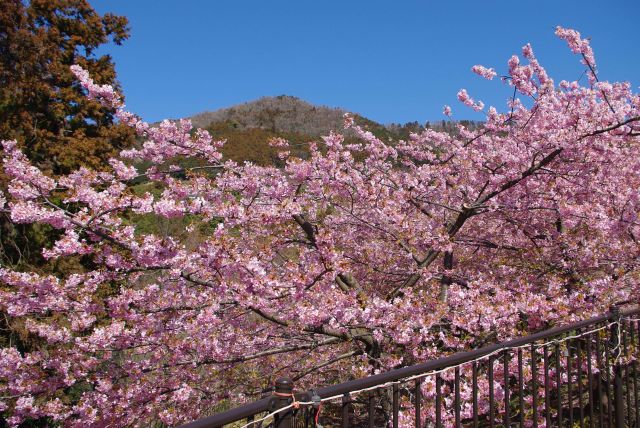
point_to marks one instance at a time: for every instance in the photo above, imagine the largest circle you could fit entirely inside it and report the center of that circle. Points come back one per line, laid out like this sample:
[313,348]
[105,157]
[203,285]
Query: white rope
[618,347]
[282,409]
[511,348]
[436,372]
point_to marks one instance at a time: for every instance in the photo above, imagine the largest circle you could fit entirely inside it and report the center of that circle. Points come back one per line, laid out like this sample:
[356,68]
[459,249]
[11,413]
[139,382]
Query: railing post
[618,398]
[282,397]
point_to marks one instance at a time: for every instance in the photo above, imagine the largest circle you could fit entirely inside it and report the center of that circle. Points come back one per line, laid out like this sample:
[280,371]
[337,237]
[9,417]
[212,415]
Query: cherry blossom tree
[361,258]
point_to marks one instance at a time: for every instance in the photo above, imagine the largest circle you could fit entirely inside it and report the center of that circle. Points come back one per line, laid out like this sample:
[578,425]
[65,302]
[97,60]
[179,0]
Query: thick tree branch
[327,363]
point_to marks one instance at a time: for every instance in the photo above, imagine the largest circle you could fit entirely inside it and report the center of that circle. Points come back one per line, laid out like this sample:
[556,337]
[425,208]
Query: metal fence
[583,374]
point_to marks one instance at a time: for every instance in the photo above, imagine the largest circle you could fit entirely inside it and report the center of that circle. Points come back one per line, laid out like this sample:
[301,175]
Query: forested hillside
[248,127]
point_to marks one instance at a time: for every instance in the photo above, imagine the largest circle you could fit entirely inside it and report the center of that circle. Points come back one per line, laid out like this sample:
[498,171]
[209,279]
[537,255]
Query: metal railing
[582,374]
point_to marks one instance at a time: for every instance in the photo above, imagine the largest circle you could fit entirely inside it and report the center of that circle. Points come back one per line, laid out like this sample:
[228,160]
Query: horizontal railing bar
[262,405]
[233,415]
[452,360]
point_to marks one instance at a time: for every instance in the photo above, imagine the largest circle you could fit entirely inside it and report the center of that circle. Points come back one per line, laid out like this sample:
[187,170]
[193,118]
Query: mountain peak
[282,113]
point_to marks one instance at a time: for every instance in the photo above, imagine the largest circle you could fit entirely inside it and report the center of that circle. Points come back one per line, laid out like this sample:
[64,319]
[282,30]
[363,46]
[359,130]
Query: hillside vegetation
[249,126]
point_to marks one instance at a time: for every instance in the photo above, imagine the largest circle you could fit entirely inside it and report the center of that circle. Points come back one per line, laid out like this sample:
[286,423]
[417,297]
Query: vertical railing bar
[346,400]
[457,405]
[616,351]
[634,366]
[417,392]
[559,382]
[491,394]
[309,416]
[627,376]
[474,387]
[547,392]
[636,374]
[438,402]
[507,415]
[534,385]
[600,364]
[396,405]
[607,355]
[590,379]
[578,343]
[520,388]
[569,384]
[283,389]
[372,409]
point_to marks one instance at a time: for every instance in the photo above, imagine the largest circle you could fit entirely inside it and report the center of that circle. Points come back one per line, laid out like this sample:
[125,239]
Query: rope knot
[294,403]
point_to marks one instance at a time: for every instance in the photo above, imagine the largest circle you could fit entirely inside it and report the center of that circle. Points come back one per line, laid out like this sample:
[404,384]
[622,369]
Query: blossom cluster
[360,258]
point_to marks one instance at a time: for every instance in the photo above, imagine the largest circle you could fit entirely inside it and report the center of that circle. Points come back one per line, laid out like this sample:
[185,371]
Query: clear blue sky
[392,61]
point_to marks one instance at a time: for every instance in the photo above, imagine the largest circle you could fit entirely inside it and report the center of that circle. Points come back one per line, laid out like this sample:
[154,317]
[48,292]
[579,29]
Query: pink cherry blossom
[487,73]
[465,99]
[581,46]
[330,267]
